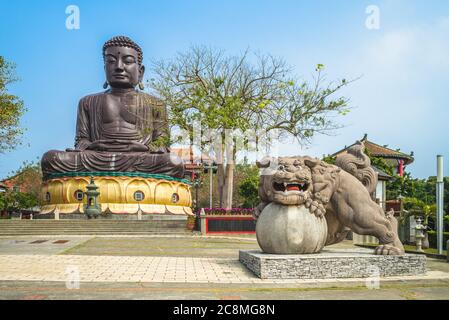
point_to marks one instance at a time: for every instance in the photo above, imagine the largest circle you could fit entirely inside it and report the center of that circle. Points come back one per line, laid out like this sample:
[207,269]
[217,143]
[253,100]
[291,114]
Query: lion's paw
[315,207]
[319,212]
[307,203]
[388,250]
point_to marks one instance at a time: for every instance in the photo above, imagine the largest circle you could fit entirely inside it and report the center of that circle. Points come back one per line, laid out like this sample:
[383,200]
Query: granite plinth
[331,264]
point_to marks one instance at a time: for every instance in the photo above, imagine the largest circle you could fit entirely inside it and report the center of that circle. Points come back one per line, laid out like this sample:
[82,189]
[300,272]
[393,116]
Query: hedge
[433,239]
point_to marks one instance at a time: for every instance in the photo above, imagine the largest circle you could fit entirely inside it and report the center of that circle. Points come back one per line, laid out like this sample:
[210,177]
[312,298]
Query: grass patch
[159,246]
[78,246]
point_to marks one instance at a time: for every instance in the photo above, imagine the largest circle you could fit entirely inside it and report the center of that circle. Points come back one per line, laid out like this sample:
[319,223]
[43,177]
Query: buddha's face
[122,67]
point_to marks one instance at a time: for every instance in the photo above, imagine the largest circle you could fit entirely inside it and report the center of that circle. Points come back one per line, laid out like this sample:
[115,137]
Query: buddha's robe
[117,120]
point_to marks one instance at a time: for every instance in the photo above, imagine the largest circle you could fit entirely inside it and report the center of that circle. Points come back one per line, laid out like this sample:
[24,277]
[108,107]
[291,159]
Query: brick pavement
[147,270]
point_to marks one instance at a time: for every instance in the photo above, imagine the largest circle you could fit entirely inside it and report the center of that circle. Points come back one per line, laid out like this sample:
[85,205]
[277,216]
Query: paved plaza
[176,267]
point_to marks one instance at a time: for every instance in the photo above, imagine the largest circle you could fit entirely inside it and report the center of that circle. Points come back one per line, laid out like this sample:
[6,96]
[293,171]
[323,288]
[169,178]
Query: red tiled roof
[381,151]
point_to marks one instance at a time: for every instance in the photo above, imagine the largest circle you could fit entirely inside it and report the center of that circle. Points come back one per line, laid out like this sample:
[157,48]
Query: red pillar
[401,168]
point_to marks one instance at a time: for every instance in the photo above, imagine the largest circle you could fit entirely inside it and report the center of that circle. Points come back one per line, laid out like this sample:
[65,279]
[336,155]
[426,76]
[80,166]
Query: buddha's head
[123,62]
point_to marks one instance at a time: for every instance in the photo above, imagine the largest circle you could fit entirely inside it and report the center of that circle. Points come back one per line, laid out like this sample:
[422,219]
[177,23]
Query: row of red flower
[224,211]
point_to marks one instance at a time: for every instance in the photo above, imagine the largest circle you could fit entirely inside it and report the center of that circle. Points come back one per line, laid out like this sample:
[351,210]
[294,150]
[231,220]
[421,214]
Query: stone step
[12,234]
[118,229]
[107,231]
[122,224]
[81,232]
[39,222]
[92,227]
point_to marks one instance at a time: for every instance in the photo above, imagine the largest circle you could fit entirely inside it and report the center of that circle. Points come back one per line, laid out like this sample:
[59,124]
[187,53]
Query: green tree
[11,109]
[401,187]
[329,159]
[28,178]
[15,201]
[248,187]
[417,207]
[239,93]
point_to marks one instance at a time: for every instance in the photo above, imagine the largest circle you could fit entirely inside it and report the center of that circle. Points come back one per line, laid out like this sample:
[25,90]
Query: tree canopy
[11,109]
[237,94]
[28,179]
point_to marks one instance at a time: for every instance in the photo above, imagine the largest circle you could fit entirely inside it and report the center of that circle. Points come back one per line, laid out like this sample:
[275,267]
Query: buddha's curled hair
[122,41]
[357,163]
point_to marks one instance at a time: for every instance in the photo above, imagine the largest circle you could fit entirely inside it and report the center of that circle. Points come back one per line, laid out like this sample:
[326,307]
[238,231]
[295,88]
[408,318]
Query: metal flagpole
[211,182]
[440,198]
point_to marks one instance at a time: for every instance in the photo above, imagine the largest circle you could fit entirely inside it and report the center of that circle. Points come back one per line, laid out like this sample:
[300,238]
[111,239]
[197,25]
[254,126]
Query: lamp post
[440,198]
[92,208]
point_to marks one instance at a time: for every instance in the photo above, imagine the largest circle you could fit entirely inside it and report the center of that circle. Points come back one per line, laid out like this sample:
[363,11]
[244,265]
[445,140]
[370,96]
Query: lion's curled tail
[357,163]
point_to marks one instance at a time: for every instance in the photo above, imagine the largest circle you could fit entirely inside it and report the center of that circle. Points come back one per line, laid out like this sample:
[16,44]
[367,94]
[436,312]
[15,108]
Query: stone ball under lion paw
[284,229]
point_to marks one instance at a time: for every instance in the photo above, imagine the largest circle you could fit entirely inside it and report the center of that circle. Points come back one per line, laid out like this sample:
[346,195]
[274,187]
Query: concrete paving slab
[142,269]
[31,245]
[29,290]
[202,268]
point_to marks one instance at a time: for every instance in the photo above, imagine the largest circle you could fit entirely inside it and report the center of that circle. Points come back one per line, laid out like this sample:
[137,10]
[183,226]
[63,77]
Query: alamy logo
[72,277]
[372,22]
[373,281]
[72,22]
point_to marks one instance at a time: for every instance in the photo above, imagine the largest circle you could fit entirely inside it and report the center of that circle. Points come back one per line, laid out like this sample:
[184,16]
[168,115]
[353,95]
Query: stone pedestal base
[111,216]
[126,193]
[331,264]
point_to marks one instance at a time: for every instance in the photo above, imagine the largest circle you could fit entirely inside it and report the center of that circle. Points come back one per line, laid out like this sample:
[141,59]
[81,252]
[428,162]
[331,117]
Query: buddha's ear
[141,72]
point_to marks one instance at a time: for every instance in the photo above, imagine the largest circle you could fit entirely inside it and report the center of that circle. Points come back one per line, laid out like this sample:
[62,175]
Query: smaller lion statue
[339,193]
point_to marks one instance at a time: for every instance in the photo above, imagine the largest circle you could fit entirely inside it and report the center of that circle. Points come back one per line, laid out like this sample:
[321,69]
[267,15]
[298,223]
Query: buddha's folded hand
[135,146]
[99,145]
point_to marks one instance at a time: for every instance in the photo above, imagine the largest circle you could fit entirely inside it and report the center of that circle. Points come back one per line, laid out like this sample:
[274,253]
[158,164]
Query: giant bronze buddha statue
[121,132]
[120,129]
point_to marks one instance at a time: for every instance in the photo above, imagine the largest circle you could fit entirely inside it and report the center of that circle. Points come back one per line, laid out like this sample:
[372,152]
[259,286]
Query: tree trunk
[230,151]
[225,172]
[220,183]
[228,186]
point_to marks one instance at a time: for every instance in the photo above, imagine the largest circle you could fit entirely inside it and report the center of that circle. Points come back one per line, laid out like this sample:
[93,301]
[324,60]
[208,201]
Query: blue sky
[401,99]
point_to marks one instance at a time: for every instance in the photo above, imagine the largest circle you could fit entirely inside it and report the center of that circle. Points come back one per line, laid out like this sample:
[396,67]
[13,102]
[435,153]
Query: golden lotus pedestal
[121,194]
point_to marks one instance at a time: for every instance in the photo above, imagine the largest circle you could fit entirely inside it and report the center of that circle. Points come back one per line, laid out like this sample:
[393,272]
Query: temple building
[19,182]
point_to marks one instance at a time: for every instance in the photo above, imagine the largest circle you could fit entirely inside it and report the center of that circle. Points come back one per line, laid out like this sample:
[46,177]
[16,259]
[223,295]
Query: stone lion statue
[340,194]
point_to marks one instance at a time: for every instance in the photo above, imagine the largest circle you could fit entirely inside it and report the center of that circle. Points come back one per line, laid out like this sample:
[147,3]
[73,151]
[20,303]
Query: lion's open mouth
[286,187]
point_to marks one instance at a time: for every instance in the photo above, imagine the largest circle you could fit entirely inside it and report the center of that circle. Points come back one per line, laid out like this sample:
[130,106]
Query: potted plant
[191,222]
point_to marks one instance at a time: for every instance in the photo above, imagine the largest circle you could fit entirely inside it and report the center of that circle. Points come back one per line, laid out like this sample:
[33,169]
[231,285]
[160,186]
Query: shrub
[433,239]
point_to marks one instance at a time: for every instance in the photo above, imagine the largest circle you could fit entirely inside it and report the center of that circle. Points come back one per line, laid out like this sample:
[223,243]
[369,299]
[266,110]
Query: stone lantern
[92,208]
[419,234]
